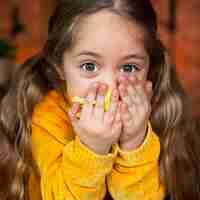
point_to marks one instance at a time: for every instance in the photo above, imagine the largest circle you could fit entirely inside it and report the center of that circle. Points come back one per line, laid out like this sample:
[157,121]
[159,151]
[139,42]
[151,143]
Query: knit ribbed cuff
[147,152]
[83,165]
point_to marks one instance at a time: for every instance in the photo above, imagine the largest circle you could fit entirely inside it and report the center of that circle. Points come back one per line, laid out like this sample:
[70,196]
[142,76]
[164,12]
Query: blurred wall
[183,42]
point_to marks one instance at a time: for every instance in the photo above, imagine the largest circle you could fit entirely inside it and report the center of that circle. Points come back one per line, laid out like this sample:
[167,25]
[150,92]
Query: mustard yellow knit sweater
[70,171]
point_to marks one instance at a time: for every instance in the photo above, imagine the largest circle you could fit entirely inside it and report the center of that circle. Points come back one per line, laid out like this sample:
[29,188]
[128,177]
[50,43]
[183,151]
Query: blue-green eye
[128,68]
[90,67]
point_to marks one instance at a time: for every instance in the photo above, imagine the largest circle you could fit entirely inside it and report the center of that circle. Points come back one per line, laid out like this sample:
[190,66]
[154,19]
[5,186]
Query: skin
[109,52]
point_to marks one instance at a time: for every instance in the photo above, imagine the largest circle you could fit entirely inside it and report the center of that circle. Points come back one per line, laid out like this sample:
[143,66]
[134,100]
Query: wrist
[101,150]
[136,142]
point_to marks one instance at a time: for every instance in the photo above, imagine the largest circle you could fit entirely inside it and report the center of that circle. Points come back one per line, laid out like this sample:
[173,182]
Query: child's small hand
[135,111]
[96,128]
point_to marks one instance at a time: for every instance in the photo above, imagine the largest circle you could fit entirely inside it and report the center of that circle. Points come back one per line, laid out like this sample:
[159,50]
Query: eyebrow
[96,55]
[89,53]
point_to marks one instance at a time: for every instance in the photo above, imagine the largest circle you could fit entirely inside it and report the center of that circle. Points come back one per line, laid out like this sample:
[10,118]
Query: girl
[80,150]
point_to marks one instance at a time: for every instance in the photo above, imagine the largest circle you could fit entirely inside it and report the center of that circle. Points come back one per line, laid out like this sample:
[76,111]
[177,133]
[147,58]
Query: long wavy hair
[171,116]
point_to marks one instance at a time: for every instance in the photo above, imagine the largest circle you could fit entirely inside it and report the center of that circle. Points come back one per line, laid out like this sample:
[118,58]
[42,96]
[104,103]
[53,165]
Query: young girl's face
[106,46]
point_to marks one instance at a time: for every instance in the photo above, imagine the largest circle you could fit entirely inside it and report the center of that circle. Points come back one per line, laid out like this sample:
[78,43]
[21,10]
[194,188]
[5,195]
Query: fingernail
[122,78]
[73,111]
[102,89]
[71,114]
[115,92]
[95,85]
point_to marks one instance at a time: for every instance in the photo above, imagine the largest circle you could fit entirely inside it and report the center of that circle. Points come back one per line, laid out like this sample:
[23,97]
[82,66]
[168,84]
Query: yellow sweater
[70,171]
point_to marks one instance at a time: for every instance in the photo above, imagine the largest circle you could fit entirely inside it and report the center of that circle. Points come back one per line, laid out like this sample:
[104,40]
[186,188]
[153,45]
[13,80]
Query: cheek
[77,85]
[142,75]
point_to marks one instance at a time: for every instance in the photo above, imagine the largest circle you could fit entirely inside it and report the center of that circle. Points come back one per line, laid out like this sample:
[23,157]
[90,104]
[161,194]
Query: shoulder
[52,105]
[52,101]
[51,116]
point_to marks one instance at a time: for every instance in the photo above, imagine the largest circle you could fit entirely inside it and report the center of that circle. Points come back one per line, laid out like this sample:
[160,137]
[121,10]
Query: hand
[97,129]
[135,110]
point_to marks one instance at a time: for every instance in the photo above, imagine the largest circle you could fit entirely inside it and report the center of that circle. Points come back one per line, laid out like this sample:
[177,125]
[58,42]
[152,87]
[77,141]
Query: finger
[129,121]
[141,75]
[125,114]
[136,90]
[72,113]
[74,110]
[140,91]
[143,91]
[134,110]
[122,90]
[133,93]
[133,80]
[76,125]
[117,125]
[87,109]
[144,105]
[110,114]
[122,79]
[125,95]
[99,107]
[134,99]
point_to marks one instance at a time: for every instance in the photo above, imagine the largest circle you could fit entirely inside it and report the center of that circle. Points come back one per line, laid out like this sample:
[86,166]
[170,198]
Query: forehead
[107,29]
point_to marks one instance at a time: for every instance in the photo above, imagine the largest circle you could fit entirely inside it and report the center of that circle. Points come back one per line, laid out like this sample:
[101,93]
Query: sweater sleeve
[68,169]
[135,174]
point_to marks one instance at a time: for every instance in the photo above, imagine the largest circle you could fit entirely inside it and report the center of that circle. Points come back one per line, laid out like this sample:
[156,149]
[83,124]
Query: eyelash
[135,66]
[87,63]
[90,63]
